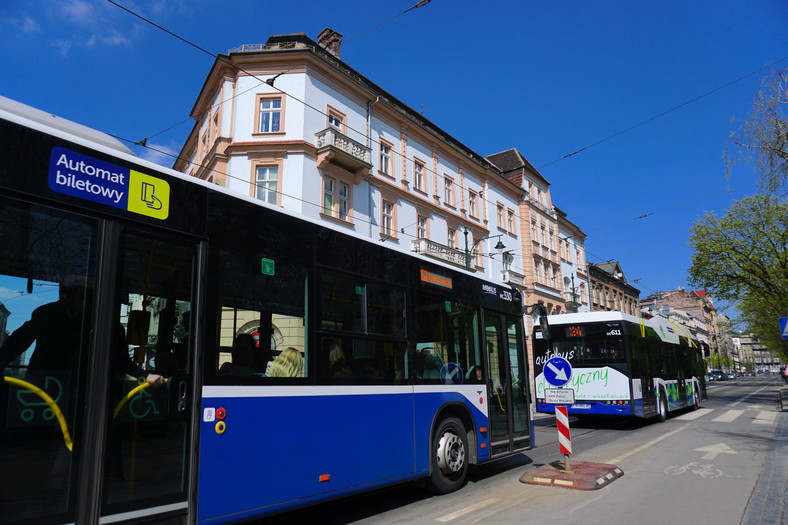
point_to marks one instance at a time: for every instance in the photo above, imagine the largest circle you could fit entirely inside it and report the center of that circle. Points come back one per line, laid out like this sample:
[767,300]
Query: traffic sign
[557,371]
[783,326]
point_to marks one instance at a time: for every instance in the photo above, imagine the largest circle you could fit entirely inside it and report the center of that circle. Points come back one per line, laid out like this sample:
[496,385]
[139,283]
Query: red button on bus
[220,413]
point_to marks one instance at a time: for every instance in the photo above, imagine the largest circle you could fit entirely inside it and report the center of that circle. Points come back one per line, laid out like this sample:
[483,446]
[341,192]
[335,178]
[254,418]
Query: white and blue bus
[621,365]
[173,353]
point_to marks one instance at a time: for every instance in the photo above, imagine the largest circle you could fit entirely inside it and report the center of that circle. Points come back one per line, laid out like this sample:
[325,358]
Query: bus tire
[662,407]
[696,395]
[449,453]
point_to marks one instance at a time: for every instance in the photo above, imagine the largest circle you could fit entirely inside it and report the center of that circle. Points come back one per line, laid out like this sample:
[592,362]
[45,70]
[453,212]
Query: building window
[267,183]
[451,238]
[336,199]
[448,191]
[472,206]
[385,159]
[534,235]
[336,120]
[537,272]
[269,115]
[499,215]
[418,175]
[387,219]
[510,221]
[421,227]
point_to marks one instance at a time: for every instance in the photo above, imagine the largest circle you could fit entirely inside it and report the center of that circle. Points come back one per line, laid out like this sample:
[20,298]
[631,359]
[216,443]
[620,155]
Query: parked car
[716,375]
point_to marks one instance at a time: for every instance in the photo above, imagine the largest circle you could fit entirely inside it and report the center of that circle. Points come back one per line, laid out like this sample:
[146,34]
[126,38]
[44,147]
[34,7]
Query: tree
[763,138]
[742,258]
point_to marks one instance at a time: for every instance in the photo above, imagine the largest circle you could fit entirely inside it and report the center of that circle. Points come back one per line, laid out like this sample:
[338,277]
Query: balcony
[438,251]
[335,148]
[517,279]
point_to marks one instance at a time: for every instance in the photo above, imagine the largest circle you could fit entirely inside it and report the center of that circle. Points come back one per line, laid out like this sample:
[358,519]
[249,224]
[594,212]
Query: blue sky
[548,78]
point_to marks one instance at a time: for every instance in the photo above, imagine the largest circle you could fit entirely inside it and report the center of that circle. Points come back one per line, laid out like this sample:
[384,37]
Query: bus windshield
[590,344]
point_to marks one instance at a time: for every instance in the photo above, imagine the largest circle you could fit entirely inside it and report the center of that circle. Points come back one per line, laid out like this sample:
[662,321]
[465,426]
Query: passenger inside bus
[242,363]
[289,363]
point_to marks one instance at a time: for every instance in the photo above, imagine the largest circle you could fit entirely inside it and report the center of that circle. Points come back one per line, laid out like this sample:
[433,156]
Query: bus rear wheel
[449,463]
[662,407]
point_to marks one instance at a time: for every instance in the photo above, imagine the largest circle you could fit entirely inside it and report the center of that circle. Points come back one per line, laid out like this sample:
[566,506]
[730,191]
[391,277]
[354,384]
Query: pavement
[767,505]
[769,499]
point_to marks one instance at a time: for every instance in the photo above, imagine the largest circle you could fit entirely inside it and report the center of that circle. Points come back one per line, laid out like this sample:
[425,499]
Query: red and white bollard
[564,441]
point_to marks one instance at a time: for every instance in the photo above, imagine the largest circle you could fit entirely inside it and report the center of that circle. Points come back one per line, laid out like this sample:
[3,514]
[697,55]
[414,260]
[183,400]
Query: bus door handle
[182,389]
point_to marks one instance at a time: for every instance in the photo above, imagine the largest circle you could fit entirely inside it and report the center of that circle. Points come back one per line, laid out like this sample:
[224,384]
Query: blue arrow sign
[451,373]
[783,326]
[557,371]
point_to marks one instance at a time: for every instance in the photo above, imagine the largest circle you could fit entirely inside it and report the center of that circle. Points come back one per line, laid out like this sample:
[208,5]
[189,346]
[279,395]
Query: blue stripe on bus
[272,451]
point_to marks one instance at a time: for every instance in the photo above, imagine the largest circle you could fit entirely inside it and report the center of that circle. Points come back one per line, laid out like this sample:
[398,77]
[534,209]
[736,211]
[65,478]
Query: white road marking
[765,417]
[467,510]
[728,416]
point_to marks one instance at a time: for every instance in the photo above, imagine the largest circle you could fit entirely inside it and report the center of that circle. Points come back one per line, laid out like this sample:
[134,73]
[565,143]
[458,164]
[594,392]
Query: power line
[422,3]
[663,113]
[645,215]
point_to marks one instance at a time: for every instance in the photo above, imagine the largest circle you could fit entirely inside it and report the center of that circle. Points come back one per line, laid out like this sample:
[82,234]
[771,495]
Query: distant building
[699,304]
[610,290]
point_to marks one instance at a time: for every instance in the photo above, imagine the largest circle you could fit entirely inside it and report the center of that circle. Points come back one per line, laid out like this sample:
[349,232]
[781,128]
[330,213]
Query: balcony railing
[438,251]
[512,277]
[336,148]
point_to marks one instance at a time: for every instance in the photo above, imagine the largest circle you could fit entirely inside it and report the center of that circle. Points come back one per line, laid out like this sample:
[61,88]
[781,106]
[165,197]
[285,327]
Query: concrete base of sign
[583,476]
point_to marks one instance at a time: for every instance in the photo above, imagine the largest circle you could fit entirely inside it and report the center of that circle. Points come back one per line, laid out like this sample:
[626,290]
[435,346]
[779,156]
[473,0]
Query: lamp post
[499,246]
[574,294]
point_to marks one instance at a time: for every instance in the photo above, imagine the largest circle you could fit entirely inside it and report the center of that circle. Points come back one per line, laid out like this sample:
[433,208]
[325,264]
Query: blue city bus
[174,353]
[621,365]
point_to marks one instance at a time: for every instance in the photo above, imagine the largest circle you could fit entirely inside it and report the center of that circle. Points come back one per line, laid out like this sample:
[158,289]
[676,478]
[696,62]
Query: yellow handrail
[49,401]
[139,388]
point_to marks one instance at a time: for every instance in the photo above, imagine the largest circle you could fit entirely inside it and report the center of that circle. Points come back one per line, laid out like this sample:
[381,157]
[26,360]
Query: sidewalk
[768,501]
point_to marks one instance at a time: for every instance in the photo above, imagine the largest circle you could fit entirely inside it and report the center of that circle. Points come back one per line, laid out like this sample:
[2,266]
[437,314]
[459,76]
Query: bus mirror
[545,326]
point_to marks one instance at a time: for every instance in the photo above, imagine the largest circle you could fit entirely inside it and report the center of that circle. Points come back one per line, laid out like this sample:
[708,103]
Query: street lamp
[499,246]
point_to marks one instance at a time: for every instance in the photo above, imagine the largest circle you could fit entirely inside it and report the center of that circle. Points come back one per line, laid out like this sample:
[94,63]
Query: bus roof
[666,329]
[50,121]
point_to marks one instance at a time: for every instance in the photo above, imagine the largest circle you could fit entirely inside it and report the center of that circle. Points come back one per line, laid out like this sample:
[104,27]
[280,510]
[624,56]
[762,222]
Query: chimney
[331,40]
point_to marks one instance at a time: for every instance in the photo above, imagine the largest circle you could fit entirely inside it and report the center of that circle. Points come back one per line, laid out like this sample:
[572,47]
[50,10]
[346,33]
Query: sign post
[557,371]
[564,441]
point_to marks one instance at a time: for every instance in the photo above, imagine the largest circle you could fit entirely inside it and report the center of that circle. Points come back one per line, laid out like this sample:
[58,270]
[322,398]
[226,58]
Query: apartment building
[553,253]
[291,124]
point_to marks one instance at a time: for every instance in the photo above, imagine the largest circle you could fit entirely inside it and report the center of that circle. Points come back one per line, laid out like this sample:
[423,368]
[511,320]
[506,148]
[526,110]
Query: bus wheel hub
[451,453]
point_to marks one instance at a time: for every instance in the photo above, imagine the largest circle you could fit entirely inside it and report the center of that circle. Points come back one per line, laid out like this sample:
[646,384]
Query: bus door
[94,319]
[147,450]
[507,383]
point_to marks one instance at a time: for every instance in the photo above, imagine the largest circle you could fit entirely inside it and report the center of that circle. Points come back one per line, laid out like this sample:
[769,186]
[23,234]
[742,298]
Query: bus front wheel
[449,463]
